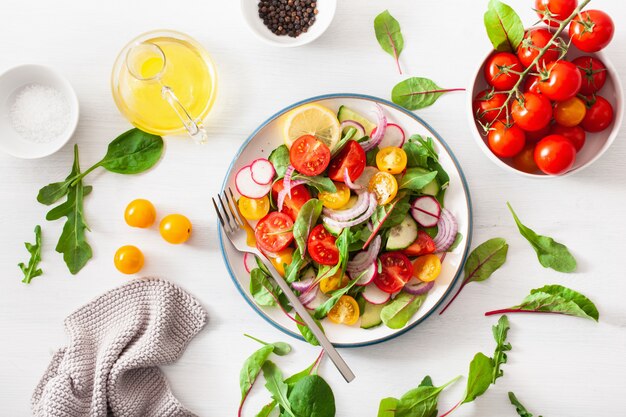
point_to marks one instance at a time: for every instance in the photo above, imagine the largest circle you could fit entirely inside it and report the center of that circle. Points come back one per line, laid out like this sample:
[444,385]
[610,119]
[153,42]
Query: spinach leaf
[389,36]
[293,269]
[276,386]
[31,270]
[417,92]
[551,254]
[387,407]
[267,409]
[421,401]
[349,134]
[250,371]
[320,183]
[397,313]
[479,378]
[280,348]
[504,27]
[306,220]
[323,310]
[262,290]
[306,332]
[280,159]
[132,152]
[416,155]
[311,396]
[521,410]
[416,179]
[500,332]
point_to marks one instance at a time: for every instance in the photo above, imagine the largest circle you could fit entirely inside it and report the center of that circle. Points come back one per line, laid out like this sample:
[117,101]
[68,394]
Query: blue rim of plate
[455,280]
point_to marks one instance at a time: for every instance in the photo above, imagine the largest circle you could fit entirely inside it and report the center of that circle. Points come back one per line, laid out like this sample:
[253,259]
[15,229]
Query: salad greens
[32,270]
[389,36]
[280,159]
[418,92]
[306,220]
[398,312]
[504,27]
[521,410]
[306,332]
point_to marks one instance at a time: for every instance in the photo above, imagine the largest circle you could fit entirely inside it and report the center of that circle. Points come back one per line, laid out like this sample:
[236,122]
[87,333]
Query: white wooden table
[559,366]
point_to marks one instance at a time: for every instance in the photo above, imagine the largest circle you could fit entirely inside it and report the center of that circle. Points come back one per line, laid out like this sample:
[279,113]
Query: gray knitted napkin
[117,342]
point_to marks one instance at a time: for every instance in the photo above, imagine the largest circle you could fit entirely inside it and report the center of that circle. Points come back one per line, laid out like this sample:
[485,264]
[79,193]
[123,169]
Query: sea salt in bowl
[38,111]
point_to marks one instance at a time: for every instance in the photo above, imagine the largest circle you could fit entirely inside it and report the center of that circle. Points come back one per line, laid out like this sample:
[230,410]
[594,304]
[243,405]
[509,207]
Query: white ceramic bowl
[250,12]
[596,144]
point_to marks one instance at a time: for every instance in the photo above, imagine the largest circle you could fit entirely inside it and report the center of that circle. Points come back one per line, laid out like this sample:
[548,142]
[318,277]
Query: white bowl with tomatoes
[568,109]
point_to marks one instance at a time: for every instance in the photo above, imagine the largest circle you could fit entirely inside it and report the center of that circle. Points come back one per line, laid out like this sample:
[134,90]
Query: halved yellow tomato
[333,282]
[283,257]
[335,200]
[427,268]
[391,159]
[346,311]
[384,186]
[253,208]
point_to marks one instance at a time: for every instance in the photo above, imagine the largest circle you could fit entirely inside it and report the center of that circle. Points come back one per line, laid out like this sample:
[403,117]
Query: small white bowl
[596,144]
[11,83]
[326,12]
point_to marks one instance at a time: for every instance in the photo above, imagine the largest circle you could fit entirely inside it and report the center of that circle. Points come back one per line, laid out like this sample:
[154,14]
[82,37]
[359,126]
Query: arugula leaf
[500,332]
[311,396]
[306,332]
[521,410]
[504,27]
[387,407]
[307,217]
[31,271]
[415,179]
[279,157]
[276,386]
[417,92]
[479,377]
[251,369]
[551,254]
[323,310]
[421,401]
[389,36]
[398,312]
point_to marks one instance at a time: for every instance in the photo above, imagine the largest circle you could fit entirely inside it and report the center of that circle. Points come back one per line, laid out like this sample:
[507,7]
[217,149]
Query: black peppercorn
[288,17]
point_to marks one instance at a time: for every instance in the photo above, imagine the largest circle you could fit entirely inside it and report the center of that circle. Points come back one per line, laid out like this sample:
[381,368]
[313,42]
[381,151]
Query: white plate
[269,135]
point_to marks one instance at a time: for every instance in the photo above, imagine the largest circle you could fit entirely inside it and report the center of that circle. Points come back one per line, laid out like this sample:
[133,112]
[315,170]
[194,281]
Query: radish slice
[375,295]
[366,176]
[317,301]
[394,136]
[247,187]
[249,262]
[368,275]
[417,287]
[262,171]
[426,211]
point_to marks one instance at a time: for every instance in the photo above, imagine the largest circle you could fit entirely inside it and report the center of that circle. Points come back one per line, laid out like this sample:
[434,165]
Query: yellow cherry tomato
[335,200]
[427,268]
[283,257]
[254,208]
[128,259]
[346,311]
[333,282]
[384,186]
[391,159]
[570,113]
[175,228]
[140,213]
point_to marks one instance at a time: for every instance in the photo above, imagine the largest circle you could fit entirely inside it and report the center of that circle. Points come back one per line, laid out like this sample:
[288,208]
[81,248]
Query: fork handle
[335,357]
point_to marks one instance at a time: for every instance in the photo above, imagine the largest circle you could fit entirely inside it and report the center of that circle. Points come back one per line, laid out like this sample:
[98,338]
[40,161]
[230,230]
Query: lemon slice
[312,119]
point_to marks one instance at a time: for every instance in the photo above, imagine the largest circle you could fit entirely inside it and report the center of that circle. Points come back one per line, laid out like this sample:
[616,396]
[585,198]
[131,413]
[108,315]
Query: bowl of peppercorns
[288,22]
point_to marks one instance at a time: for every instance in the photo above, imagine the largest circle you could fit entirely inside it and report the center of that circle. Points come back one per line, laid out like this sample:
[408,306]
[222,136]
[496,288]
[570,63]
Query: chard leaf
[267,409]
[416,179]
[311,396]
[479,378]
[306,220]
[279,348]
[389,36]
[251,369]
[417,92]
[521,410]
[320,183]
[292,269]
[387,407]
[504,27]
[397,313]
[280,159]
[276,386]
[31,270]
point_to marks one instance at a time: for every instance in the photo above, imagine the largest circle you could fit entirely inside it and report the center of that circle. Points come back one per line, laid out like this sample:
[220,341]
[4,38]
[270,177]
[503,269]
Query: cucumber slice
[432,188]
[335,231]
[345,113]
[371,315]
[402,235]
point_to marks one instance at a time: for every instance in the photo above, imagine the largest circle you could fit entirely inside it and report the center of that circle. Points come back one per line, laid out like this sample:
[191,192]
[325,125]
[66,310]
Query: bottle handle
[195,128]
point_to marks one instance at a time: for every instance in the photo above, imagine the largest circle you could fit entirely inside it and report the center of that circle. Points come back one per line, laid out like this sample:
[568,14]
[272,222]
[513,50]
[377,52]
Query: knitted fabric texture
[117,342]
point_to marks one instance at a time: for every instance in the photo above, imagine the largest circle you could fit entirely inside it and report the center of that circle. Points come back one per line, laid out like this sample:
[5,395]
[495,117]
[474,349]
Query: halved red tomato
[309,156]
[397,270]
[423,245]
[352,157]
[293,204]
[321,246]
[273,232]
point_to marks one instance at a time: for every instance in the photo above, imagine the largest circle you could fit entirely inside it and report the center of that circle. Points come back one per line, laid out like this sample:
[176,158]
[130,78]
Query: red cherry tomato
[532,112]
[506,141]
[591,30]
[352,156]
[575,134]
[293,204]
[537,135]
[273,232]
[486,106]
[555,155]
[423,245]
[553,11]
[309,156]
[498,70]
[321,246]
[561,81]
[533,41]
[525,160]
[397,269]
[532,84]
[593,73]
[599,114]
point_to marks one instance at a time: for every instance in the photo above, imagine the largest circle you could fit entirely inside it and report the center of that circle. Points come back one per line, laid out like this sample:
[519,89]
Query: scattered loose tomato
[554,11]
[534,40]
[502,70]
[506,141]
[321,246]
[140,213]
[532,84]
[599,114]
[335,200]
[427,268]
[525,160]
[293,204]
[396,271]
[384,186]
[536,135]
[128,259]
[591,30]
[282,258]
[555,155]
[423,245]
[345,311]
[352,157]
[575,134]
[309,156]
[391,159]
[334,282]
[593,73]
[273,232]
[560,81]
[532,111]
[253,208]
[486,106]
[570,112]
[175,228]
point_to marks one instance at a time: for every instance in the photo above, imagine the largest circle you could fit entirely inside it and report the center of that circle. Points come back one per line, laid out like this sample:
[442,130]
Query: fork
[232,223]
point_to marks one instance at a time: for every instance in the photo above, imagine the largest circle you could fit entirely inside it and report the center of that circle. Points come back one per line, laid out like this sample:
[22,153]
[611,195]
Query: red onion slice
[417,287]
[362,203]
[447,230]
[348,181]
[283,193]
[364,259]
[308,296]
[362,218]
[360,130]
[379,134]
[287,180]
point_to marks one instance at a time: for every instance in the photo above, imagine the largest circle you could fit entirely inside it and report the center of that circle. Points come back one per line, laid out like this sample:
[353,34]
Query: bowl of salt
[38,111]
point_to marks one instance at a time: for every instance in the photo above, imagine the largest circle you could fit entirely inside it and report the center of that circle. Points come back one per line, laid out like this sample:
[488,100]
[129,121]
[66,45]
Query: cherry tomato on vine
[506,141]
[321,246]
[309,156]
[570,112]
[551,10]
[535,39]
[128,259]
[593,73]
[273,232]
[502,70]
[391,159]
[537,135]
[532,112]
[175,228]
[397,269]
[560,81]
[486,106]
[575,134]
[140,213]
[599,114]
[525,160]
[555,155]
[532,84]
[591,30]
[352,157]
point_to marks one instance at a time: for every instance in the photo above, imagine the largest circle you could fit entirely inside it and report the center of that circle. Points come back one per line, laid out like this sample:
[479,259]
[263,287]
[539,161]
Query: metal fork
[232,222]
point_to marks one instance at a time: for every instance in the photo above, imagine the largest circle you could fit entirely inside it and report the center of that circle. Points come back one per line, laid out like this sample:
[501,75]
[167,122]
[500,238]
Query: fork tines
[229,213]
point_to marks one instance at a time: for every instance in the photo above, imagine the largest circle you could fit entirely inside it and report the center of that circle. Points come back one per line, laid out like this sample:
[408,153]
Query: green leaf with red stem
[417,92]
[504,27]
[389,36]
